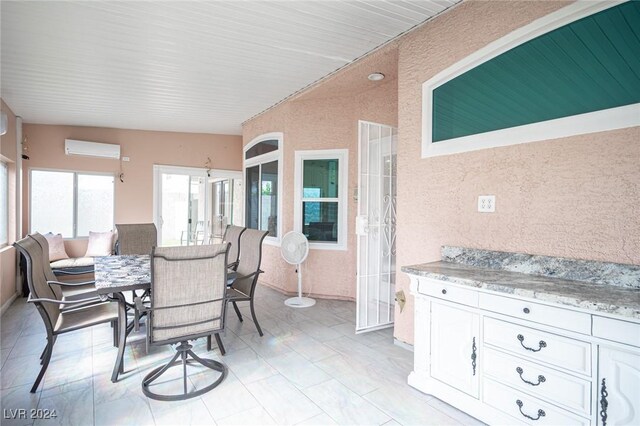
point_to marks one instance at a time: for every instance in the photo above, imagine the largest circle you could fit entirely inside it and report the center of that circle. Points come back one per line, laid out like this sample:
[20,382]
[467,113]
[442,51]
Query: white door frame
[216,175]
[159,169]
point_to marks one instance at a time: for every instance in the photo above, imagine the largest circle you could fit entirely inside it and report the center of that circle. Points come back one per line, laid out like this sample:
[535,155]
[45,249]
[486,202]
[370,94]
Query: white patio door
[227,189]
[181,205]
[376,226]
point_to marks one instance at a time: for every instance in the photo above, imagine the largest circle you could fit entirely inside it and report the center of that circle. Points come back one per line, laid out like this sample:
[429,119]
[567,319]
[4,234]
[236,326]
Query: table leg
[122,335]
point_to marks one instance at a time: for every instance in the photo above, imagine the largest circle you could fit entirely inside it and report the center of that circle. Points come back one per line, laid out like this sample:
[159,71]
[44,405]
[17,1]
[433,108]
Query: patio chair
[136,238]
[56,320]
[187,302]
[244,286]
[232,236]
[67,290]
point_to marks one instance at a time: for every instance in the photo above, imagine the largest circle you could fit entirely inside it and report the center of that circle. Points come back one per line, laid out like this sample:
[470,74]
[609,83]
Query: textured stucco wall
[576,197]
[326,117]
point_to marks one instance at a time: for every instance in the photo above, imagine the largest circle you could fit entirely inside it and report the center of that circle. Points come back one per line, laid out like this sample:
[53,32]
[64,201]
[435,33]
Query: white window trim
[597,121]
[342,155]
[4,244]
[75,197]
[223,174]
[266,158]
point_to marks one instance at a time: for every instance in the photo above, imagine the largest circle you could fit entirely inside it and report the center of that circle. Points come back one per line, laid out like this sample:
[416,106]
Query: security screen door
[376,226]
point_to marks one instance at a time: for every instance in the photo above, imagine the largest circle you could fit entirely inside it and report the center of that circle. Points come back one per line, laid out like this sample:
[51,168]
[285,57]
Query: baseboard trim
[312,295]
[8,303]
[403,345]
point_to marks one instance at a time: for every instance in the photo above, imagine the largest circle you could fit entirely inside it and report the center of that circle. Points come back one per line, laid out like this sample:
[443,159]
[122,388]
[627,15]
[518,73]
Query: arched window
[263,184]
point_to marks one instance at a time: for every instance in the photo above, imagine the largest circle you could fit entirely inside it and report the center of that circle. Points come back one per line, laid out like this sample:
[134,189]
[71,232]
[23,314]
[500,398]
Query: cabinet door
[618,387]
[454,347]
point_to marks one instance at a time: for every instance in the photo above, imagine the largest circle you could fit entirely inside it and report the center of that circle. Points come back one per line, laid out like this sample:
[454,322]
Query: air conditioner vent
[91,149]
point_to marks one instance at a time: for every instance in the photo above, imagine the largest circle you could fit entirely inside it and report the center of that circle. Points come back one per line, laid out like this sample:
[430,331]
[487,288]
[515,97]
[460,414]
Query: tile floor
[309,368]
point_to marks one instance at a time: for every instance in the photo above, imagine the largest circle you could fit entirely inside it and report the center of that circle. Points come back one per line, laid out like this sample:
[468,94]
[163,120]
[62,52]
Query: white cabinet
[454,343]
[512,360]
[618,387]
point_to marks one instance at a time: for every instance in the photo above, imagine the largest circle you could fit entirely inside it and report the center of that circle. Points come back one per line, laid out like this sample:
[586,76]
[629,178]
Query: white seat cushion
[73,262]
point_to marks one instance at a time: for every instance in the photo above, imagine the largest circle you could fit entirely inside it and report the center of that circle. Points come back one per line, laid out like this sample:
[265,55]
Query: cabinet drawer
[446,291]
[531,311]
[539,346]
[519,405]
[545,383]
[616,330]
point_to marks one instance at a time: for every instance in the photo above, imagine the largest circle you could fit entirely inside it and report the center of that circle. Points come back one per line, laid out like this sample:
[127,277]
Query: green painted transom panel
[589,65]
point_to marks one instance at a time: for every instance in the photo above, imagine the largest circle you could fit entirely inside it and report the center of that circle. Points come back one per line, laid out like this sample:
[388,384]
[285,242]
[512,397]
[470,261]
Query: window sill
[327,246]
[5,247]
[272,241]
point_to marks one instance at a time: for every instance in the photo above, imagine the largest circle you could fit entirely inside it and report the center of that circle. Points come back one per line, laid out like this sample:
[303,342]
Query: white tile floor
[309,368]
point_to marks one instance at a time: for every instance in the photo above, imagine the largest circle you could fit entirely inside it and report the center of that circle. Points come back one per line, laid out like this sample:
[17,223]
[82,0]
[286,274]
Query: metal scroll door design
[376,226]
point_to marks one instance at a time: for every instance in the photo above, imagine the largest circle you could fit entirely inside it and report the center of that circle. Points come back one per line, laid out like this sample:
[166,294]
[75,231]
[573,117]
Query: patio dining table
[114,275]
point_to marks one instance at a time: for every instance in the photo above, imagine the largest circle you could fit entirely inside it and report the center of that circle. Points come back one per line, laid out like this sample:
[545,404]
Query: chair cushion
[78,292]
[86,317]
[56,247]
[74,262]
[100,244]
[233,294]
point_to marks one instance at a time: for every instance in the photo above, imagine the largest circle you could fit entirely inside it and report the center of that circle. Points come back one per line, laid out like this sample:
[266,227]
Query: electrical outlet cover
[487,203]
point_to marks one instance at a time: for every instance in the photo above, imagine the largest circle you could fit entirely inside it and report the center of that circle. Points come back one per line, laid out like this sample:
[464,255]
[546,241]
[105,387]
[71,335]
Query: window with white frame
[263,171]
[71,203]
[321,197]
[4,204]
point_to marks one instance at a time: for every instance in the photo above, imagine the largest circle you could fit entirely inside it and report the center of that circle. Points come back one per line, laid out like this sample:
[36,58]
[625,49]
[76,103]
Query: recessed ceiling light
[376,76]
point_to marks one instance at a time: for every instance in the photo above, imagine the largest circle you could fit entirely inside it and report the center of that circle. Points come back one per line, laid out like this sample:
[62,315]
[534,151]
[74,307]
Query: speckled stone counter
[606,273]
[610,299]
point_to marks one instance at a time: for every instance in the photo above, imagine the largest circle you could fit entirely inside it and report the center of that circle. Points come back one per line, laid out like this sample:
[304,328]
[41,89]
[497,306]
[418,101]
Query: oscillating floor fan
[295,249]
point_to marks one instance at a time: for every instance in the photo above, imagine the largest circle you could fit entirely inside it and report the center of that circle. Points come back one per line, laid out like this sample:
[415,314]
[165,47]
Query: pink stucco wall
[575,197]
[134,197]
[8,151]
[326,117]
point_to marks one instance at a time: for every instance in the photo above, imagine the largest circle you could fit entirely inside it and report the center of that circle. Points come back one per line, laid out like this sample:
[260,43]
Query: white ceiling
[182,66]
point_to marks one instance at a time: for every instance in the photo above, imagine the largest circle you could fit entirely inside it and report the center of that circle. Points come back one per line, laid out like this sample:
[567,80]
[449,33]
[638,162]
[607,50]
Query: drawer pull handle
[541,412]
[526,310]
[541,378]
[541,344]
[473,355]
[603,403]
[444,291]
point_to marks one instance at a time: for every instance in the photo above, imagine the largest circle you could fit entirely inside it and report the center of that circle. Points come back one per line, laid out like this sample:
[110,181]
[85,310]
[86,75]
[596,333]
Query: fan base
[300,302]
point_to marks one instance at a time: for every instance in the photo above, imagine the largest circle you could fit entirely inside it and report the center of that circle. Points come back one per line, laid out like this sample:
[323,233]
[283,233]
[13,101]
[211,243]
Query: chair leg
[45,363]
[255,320]
[184,371]
[235,308]
[114,326]
[44,351]
[47,349]
[209,342]
[220,345]
[181,357]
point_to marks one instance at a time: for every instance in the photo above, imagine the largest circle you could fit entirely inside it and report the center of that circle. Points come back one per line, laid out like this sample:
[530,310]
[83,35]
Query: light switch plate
[487,203]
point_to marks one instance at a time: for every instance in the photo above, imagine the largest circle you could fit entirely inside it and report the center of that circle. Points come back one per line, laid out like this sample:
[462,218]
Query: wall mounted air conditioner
[91,149]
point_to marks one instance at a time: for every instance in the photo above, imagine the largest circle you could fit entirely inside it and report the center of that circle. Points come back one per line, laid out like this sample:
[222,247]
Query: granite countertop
[623,301]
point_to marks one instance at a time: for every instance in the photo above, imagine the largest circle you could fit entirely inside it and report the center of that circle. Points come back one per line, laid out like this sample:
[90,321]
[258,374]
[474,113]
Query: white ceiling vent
[91,149]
